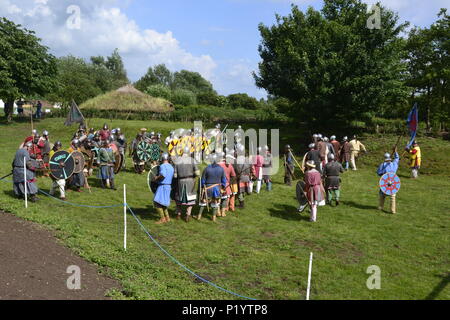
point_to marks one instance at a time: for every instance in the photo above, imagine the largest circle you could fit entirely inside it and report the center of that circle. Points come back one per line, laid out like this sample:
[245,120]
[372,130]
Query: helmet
[218,126]
[105,127]
[165,156]
[75,142]
[34,132]
[288,146]
[259,149]
[29,144]
[266,148]
[113,131]
[213,158]
[325,139]
[315,135]
[58,144]
[345,138]
[387,157]
[331,156]
[112,138]
[118,130]
[319,136]
[187,150]
[240,148]
[45,133]
[311,145]
[333,138]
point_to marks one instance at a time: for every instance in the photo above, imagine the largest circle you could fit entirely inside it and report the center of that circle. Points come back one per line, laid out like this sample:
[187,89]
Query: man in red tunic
[105,133]
[230,175]
[315,191]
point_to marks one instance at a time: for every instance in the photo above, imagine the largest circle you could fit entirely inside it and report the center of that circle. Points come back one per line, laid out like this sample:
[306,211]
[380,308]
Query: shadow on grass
[441,286]
[287,212]
[358,205]
[147,213]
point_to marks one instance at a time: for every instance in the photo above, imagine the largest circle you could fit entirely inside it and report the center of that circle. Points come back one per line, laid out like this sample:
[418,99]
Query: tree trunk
[9,109]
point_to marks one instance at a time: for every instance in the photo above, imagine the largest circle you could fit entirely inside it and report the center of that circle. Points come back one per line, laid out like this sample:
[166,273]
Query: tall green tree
[26,66]
[429,68]
[329,65]
[157,75]
[192,81]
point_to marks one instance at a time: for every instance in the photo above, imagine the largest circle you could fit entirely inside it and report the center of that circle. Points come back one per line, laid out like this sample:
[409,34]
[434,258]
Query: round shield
[119,162]
[389,184]
[300,193]
[153,172]
[62,165]
[78,157]
[144,151]
[155,152]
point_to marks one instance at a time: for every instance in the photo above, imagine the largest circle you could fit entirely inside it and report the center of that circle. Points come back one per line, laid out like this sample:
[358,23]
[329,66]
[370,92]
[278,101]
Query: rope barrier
[180,264]
[151,238]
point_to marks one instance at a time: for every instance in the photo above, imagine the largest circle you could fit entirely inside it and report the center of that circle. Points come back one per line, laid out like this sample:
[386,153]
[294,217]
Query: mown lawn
[263,250]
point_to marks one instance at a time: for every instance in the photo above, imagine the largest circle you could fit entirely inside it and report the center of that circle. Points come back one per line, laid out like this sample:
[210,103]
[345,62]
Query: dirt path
[33,265]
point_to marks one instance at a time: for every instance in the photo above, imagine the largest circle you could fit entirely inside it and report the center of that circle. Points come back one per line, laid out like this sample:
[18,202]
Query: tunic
[258,163]
[345,152]
[229,174]
[213,178]
[162,195]
[314,189]
[185,172]
[336,147]
[416,158]
[106,160]
[18,174]
[244,171]
[332,171]
[389,166]
[314,156]
[267,166]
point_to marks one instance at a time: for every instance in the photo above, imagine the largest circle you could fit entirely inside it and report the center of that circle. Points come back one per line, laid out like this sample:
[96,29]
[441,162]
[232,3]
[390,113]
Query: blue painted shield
[390,184]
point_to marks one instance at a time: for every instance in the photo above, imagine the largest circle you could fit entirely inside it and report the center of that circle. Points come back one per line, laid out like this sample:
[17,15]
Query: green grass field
[263,251]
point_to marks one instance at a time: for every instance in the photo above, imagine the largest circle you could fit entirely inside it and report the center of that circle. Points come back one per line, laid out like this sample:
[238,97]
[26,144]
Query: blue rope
[180,264]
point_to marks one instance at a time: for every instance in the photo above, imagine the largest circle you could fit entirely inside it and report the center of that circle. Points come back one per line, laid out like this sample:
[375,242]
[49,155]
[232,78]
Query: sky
[217,38]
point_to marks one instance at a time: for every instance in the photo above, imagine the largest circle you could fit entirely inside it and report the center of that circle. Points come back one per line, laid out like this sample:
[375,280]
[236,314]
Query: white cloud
[103,28]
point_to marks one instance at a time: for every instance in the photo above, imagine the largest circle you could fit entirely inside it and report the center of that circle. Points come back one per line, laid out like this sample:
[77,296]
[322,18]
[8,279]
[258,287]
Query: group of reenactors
[327,159]
[87,149]
[231,174]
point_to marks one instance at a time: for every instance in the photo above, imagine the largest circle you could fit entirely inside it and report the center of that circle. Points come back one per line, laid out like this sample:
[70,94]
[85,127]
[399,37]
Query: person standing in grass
[355,148]
[288,166]
[314,188]
[186,171]
[345,153]
[388,165]
[164,178]
[20,178]
[77,180]
[57,183]
[106,162]
[332,180]
[230,175]
[416,159]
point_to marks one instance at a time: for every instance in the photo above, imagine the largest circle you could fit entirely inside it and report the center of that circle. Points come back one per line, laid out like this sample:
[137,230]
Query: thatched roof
[128,98]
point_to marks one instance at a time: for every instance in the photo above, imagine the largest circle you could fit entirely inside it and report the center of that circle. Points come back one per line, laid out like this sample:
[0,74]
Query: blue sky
[218,38]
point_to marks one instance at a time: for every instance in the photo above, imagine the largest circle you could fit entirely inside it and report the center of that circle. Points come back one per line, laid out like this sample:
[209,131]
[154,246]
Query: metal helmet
[58,144]
[355,136]
[213,158]
[239,127]
[311,145]
[218,126]
[187,150]
[259,149]
[319,136]
[240,148]
[119,131]
[345,138]
[165,156]
[266,148]
[288,146]
[34,132]
[387,157]
[325,139]
[29,144]
[333,138]
[45,133]
[105,127]
[315,135]
[76,142]
[113,131]
[331,156]
[152,133]
[112,138]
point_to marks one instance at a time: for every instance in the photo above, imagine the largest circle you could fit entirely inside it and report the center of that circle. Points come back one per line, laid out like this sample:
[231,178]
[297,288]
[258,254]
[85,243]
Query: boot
[112,185]
[103,183]
[381,202]
[161,215]
[188,218]
[269,186]
[393,203]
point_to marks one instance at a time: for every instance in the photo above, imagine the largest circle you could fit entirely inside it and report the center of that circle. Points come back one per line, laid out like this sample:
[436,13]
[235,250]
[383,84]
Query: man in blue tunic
[388,165]
[23,157]
[162,195]
[213,182]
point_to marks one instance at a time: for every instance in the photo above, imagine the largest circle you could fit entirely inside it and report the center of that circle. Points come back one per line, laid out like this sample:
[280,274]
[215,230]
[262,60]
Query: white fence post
[125,217]
[25,180]
[309,275]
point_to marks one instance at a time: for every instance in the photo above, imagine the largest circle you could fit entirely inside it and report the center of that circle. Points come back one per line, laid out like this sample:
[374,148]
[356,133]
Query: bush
[183,97]
[159,91]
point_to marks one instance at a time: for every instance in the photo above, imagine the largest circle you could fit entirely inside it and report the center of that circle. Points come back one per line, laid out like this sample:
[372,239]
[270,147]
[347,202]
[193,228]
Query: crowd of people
[231,174]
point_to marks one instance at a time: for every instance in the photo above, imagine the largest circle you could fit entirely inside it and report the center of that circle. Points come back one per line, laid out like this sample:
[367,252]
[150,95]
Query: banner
[413,122]
[74,116]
